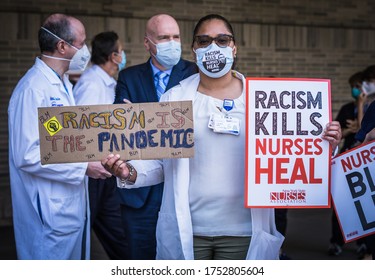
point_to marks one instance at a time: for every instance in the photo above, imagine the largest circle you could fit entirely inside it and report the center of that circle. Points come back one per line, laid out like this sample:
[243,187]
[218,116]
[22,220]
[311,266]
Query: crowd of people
[186,208]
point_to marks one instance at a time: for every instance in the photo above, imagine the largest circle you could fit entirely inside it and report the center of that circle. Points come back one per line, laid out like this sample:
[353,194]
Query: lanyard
[66,89]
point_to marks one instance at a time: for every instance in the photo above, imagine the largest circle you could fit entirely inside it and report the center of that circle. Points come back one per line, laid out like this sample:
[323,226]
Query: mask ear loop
[151,41]
[112,57]
[156,47]
[53,34]
[58,58]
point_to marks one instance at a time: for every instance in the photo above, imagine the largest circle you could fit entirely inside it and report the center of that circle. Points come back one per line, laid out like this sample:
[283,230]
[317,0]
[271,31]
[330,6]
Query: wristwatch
[127,181]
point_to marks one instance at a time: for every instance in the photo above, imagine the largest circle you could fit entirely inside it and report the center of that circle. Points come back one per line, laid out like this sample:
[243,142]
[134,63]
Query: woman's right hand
[116,166]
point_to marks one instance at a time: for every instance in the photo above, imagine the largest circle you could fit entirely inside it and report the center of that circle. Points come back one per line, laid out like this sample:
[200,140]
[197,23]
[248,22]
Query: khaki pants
[221,247]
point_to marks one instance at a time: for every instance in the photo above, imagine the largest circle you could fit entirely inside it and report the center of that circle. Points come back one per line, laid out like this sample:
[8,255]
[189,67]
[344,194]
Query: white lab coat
[174,230]
[93,81]
[50,205]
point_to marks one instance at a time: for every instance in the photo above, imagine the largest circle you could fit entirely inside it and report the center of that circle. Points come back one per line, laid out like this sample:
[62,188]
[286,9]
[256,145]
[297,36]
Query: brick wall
[284,38]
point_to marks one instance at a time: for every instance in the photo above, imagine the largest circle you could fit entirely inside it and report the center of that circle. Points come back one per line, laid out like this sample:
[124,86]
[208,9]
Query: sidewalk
[308,234]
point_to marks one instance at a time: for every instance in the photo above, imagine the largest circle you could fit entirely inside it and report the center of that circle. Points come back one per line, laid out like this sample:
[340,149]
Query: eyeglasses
[223,40]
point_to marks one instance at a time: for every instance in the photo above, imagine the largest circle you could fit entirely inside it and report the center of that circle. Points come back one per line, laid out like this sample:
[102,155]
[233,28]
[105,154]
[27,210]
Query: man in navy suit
[145,83]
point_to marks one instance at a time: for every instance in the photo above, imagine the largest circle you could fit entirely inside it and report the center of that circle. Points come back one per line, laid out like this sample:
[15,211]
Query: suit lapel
[176,75]
[146,77]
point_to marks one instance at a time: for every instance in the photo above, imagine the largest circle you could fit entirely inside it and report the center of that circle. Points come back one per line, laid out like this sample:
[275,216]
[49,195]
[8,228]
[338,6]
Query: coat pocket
[168,238]
[67,214]
[265,246]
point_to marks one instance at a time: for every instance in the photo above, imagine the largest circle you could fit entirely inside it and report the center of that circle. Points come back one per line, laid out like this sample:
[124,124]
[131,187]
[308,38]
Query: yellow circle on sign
[52,126]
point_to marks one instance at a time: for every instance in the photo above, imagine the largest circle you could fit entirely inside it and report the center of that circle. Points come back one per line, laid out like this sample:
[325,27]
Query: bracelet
[131,173]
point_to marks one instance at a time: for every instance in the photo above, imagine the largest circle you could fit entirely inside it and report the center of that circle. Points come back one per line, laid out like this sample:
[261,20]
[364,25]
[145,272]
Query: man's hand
[362,99]
[96,171]
[332,134]
[116,166]
[352,126]
[370,136]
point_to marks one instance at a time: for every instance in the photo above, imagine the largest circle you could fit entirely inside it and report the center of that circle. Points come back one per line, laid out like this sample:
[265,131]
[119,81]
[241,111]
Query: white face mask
[168,54]
[214,61]
[368,88]
[80,59]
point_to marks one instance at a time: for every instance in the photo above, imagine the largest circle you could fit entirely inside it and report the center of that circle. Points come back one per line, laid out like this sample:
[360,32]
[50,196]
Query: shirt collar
[52,77]
[108,80]
[156,70]
[47,71]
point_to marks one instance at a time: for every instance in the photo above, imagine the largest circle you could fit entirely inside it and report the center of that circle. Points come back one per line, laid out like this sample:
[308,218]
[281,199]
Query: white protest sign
[288,163]
[353,191]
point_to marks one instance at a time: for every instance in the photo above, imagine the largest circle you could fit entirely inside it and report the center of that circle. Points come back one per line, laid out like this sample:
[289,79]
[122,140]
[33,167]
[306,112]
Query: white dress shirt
[94,87]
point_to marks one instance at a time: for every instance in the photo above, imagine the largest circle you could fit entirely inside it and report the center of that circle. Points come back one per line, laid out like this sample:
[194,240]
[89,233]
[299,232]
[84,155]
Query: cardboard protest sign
[353,191]
[135,131]
[288,163]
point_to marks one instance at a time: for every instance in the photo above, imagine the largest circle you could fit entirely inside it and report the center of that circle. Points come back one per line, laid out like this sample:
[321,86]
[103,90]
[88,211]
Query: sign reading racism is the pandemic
[288,162]
[135,131]
[353,191]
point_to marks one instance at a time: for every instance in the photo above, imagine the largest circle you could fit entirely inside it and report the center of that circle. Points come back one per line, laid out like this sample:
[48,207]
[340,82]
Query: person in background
[146,83]
[366,134]
[281,220]
[368,86]
[50,206]
[202,214]
[96,86]
[349,117]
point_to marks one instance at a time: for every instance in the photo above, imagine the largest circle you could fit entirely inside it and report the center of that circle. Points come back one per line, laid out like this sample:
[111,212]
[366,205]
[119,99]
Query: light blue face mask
[356,92]
[168,54]
[122,64]
[214,61]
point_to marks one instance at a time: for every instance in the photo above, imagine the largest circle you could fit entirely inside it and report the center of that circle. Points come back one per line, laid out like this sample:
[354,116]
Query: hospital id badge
[226,124]
[211,121]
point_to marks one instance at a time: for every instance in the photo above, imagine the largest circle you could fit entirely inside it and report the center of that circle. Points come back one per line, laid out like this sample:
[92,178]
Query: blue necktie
[160,83]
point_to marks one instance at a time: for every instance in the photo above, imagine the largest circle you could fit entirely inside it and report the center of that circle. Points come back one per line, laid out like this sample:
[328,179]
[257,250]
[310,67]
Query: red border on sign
[328,205]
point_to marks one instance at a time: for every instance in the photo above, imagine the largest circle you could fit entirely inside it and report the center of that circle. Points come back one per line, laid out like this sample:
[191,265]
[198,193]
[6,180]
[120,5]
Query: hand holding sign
[370,136]
[116,166]
[96,171]
[332,134]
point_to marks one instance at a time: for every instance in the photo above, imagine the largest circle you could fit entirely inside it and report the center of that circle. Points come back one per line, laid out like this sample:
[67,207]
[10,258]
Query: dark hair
[103,45]
[212,17]
[356,78]
[61,27]
[369,73]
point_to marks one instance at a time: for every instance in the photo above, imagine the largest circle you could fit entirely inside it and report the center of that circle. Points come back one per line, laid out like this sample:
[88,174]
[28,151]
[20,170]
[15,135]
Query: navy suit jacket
[367,124]
[136,83]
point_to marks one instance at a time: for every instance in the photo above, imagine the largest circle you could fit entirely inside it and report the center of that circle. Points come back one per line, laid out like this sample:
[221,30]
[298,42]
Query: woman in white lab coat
[202,214]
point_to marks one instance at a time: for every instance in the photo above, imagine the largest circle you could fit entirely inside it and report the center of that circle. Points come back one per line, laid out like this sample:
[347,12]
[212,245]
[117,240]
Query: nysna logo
[298,196]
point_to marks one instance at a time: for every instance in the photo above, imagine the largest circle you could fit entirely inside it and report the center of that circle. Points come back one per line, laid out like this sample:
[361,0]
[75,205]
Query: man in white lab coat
[50,206]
